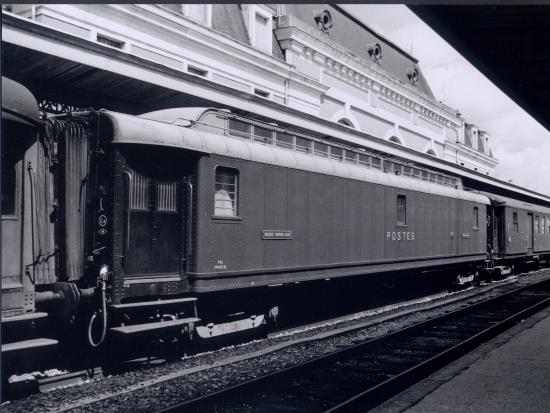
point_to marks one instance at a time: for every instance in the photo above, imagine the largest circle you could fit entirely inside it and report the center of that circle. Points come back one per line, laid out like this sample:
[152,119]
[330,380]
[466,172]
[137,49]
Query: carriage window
[536,224]
[225,198]
[349,156]
[336,153]
[139,192]
[320,149]
[476,217]
[262,134]
[401,210]
[515,222]
[9,183]
[285,140]
[364,160]
[239,128]
[166,196]
[303,145]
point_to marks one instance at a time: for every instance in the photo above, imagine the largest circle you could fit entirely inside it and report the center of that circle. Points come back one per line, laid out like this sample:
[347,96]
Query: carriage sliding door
[154,215]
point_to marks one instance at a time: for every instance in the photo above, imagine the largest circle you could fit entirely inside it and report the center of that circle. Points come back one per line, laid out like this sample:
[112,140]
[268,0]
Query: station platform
[509,374]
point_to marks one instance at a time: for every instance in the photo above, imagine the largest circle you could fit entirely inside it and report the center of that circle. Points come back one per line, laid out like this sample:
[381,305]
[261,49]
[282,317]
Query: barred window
[139,192]
[226,195]
[476,217]
[515,222]
[401,210]
[166,196]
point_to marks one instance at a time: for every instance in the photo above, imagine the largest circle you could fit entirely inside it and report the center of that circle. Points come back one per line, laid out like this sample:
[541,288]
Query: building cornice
[293,33]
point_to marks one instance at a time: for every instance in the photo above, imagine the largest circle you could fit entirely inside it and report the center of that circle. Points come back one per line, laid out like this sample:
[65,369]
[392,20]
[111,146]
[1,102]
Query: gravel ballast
[164,385]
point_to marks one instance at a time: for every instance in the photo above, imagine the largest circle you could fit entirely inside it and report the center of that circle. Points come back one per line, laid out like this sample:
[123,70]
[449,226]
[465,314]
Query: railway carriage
[236,204]
[518,232]
[154,228]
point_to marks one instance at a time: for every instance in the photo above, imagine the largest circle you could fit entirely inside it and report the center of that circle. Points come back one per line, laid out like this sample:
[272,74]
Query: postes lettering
[400,236]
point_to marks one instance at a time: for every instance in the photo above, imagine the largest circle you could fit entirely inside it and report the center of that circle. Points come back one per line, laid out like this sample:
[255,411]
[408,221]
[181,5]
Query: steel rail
[263,390]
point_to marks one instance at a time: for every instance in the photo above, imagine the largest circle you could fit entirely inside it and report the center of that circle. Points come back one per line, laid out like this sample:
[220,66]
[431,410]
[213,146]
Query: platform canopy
[507,43]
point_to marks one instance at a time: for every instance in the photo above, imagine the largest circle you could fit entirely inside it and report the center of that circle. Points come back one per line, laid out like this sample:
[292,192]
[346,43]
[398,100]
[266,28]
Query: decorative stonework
[354,76]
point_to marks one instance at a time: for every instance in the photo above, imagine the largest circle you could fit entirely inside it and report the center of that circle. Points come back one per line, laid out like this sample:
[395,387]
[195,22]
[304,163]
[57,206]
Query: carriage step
[138,329]
[24,317]
[152,304]
[28,345]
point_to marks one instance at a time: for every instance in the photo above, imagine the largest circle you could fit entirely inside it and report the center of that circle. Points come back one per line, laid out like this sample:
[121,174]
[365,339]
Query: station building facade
[312,66]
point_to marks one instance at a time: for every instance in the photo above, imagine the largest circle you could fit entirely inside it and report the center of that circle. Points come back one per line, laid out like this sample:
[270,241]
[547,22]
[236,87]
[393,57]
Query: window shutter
[261,34]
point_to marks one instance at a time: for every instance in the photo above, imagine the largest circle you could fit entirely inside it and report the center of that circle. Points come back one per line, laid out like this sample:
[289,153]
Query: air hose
[103,281]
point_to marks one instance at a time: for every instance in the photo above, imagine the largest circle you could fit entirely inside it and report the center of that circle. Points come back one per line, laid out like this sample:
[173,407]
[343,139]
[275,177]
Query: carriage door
[154,219]
[529,240]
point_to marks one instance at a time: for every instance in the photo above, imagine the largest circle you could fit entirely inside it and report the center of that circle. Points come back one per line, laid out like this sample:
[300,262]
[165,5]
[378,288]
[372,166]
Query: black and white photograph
[226,207]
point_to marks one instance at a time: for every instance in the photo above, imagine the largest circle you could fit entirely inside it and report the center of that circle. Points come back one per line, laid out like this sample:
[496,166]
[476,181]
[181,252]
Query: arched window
[395,139]
[431,152]
[346,122]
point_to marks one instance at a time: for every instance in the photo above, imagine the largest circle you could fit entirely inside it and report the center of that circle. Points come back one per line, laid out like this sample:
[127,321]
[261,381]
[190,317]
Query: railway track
[362,376]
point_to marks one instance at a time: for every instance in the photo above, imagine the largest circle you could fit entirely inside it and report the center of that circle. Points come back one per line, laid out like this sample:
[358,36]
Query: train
[119,229]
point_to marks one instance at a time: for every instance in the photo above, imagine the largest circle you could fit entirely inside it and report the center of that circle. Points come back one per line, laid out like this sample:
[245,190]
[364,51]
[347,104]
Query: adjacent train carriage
[518,233]
[28,246]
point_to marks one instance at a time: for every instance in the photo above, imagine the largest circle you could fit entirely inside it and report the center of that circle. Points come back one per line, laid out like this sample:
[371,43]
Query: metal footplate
[23,318]
[36,343]
[152,328]
[142,305]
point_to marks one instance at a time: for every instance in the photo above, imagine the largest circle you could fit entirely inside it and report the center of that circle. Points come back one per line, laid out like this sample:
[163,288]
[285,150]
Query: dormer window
[375,52]
[200,13]
[260,28]
[412,74]
[324,21]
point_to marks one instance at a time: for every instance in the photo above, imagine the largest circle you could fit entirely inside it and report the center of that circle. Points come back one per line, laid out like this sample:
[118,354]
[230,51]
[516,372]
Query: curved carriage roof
[514,203]
[138,130]
[18,103]
[177,114]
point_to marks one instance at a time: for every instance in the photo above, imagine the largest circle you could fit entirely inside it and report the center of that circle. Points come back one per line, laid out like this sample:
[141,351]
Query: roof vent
[324,21]
[375,52]
[412,74]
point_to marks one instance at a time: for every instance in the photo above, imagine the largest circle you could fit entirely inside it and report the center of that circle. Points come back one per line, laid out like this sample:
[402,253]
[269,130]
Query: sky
[518,141]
